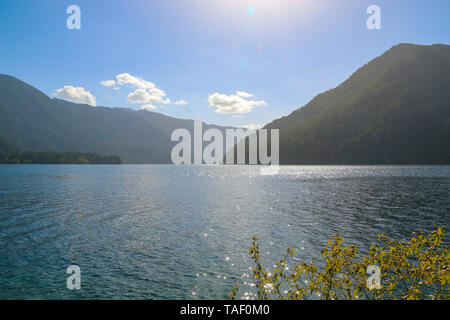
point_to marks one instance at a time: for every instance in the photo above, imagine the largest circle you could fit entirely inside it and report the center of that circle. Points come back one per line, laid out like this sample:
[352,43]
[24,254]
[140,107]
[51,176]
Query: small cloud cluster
[108,83]
[75,94]
[253,126]
[234,103]
[244,94]
[145,92]
[140,96]
[180,102]
[126,78]
[148,107]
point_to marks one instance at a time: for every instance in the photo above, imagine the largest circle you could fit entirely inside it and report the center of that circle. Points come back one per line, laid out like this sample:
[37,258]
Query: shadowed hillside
[31,121]
[393,110]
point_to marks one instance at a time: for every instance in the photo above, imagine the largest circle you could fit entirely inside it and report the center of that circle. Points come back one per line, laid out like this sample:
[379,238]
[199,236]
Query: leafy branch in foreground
[413,269]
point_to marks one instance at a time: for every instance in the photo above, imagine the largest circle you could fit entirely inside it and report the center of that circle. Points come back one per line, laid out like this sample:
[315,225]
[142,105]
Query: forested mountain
[31,121]
[6,147]
[393,110]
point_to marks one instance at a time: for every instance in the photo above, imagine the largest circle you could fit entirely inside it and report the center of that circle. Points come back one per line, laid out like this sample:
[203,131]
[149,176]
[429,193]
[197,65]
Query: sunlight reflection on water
[184,231]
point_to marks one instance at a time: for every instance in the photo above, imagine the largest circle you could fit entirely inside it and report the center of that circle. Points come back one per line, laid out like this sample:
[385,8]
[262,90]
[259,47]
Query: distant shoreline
[55,157]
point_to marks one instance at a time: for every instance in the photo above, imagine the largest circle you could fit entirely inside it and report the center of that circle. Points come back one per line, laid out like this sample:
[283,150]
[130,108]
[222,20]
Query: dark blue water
[159,232]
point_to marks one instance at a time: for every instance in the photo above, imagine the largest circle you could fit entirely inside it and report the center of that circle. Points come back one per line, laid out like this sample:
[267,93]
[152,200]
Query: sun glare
[261,15]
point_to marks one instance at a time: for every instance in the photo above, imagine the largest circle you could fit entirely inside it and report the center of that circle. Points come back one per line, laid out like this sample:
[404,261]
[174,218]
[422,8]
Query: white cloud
[253,126]
[244,94]
[139,96]
[148,107]
[75,94]
[157,92]
[146,92]
[126,78]
[107,83]
[180,102]
[232,103]
[237,116]
[142,96]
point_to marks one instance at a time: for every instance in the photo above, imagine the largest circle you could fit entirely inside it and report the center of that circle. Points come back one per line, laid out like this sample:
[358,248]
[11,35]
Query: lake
[183,232]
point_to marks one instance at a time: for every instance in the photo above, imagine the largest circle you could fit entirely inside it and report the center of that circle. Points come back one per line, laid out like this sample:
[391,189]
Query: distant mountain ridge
[31,121]
[393,110]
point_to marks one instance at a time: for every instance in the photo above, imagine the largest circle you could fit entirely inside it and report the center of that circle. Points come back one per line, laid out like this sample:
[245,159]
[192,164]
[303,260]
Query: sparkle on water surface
[183,232]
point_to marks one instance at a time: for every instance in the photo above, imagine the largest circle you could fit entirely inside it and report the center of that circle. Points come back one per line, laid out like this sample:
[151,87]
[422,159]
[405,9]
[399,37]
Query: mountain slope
[393,110]
[6,147]
[32,121]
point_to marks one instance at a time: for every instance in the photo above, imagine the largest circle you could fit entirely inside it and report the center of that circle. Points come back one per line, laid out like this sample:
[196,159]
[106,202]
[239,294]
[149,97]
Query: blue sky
[281,52]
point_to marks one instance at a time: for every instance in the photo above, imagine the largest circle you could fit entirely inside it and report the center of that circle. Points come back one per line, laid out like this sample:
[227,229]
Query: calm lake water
[183,232]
